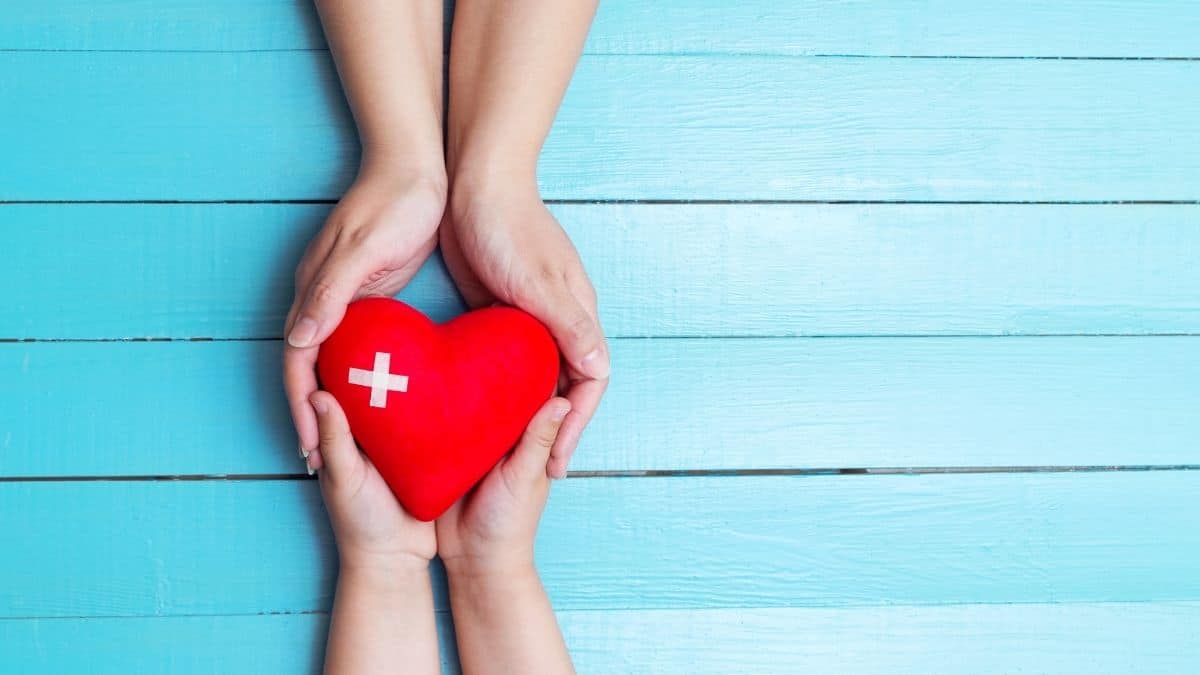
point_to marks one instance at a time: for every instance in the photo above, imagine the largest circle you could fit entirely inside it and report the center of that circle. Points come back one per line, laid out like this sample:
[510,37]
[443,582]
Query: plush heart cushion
[436,406]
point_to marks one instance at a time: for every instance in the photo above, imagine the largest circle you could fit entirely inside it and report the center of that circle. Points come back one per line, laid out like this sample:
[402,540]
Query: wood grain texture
[170,408]
[273,125]
[1084,638]
[225,270]
[1075,28]
[230,547]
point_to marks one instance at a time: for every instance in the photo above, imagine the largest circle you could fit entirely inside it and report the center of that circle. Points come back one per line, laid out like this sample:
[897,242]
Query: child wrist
[487,569]
[392,565]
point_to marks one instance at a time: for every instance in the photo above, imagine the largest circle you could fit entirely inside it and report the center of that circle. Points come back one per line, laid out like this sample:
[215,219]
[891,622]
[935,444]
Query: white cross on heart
[379,379]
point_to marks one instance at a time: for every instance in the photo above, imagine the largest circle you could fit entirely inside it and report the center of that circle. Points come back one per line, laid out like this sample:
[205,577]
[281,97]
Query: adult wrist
[478,191]
[404,171]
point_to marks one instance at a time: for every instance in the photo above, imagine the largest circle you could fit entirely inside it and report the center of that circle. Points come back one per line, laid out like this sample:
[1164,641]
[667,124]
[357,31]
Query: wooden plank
[273,125]
[1075,28]
[1084,638]
[176,25]
[230,547]
[175,408]
[166,270]
[225,270]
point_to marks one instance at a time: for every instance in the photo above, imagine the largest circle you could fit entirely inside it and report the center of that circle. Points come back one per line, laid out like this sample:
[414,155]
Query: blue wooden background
[905,308]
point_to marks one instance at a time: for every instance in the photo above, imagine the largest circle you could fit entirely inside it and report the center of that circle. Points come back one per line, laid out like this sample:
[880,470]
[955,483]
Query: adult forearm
[383,622]
[389,58]
[510,63]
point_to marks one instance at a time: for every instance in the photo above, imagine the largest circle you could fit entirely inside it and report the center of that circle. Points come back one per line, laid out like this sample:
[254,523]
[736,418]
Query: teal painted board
[207,408]
[252,644]
[1075,28]
[225,270]
[231,547]
[170,25]
[733,404]
[273,125]
[166,270]
[1083,638]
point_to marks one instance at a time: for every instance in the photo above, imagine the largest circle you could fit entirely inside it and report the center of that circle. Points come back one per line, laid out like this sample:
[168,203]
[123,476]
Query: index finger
[300,381]
[584,396]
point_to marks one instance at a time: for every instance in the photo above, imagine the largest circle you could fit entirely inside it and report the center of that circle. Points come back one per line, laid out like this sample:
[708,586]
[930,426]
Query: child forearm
[502,617]
[383,622]
[383,619]
[505,624]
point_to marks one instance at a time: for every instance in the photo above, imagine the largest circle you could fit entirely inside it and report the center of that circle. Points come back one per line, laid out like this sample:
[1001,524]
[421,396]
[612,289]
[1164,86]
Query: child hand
[372,530]
[491,529]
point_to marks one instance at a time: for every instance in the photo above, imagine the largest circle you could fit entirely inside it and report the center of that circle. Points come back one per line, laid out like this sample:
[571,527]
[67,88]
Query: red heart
[436,406]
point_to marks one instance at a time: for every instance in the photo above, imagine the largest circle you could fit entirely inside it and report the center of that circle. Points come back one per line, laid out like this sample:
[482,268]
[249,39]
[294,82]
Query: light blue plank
[1077,28]
[152,270]
[225,271]
[255,644]
[170,408]
[273,125]
[216,547]
[1085,638]
[1078,638]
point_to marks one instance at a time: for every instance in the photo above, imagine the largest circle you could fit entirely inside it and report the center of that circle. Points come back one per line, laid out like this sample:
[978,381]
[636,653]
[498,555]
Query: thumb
[577,333]
[528,460]
[325,301]
[338,452]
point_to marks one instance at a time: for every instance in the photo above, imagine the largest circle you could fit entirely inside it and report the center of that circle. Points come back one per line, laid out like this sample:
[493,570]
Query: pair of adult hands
[499,244]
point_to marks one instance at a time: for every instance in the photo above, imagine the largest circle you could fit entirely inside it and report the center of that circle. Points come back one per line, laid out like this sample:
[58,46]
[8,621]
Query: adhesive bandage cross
[379,379]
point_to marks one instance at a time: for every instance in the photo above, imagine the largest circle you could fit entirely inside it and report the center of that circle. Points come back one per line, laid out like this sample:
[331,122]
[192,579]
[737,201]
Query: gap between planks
[816,336]
[651,53]
[658,473]
[598,610]
[660,202]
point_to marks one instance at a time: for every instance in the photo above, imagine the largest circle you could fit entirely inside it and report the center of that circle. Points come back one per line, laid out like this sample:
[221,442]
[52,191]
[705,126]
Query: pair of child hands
[503,619]
[492,527]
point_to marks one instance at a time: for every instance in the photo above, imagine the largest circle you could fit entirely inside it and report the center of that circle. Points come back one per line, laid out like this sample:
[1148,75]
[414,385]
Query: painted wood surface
[129,547]
[273,125]
[225,270]
[235,547]
[1084,638]
[216,407]
[1023,28]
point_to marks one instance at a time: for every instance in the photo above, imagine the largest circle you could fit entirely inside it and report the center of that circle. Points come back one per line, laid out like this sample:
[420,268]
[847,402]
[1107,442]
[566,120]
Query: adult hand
[373,242]
[505,245]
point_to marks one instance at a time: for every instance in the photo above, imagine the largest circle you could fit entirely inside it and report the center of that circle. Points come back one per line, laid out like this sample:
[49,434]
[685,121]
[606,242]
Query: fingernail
[303,452]
[559,474]
[595,364]
[320,406]
[303,333]
[560,413]
[308,466]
